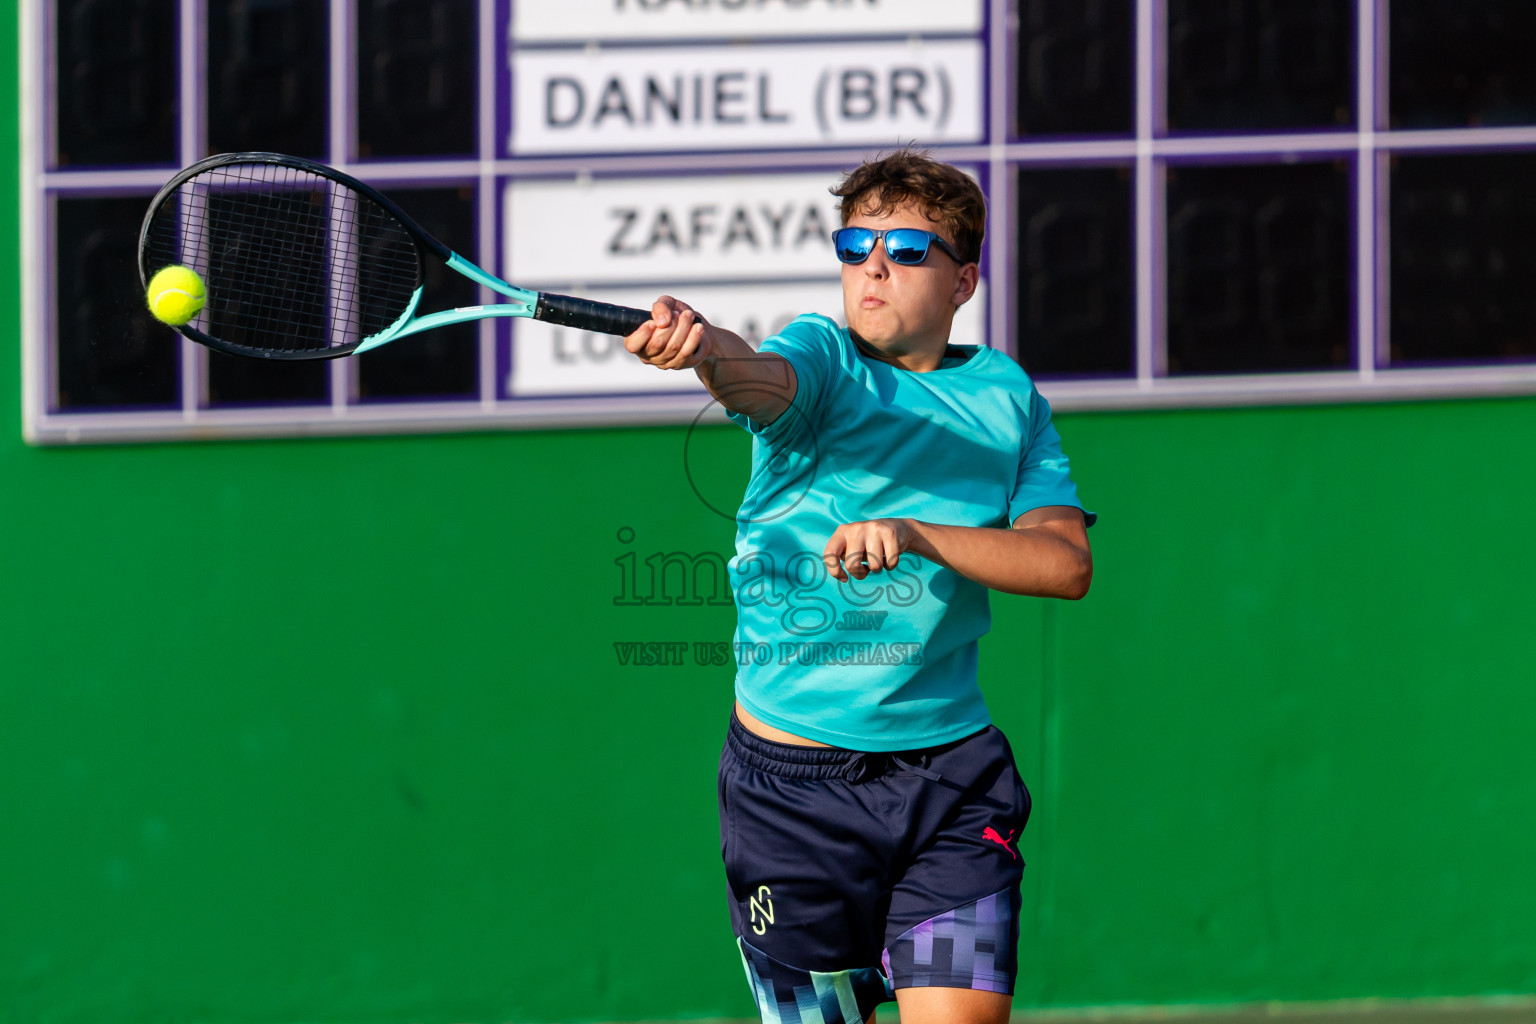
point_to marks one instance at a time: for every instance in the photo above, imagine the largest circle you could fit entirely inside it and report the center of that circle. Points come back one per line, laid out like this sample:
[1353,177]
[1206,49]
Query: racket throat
[405,326]
[454,316]
[492,282]
[395,329]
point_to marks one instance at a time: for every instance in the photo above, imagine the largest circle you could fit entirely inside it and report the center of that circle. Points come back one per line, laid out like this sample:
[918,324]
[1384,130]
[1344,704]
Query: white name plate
[758,96]
[675,228]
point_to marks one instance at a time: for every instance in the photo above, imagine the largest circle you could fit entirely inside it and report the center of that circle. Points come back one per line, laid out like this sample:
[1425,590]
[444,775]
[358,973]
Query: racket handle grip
[586,315]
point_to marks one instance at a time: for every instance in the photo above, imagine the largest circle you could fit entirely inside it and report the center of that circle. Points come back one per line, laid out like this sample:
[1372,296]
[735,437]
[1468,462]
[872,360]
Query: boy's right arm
[759,385]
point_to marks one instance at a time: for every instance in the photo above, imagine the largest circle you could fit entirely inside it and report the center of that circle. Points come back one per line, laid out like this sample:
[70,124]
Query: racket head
[299,260]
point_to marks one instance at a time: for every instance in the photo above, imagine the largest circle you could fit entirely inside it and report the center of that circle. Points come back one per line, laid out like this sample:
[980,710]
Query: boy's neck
[917,361]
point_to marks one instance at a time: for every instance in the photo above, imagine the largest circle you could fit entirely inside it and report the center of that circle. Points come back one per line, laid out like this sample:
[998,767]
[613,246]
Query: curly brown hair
[946,193]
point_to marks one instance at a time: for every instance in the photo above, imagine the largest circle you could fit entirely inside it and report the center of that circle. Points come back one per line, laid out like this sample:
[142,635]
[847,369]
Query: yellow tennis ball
[176,295]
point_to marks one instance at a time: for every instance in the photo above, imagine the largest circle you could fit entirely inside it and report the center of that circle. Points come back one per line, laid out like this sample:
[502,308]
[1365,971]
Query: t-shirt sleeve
[1044,477]
[813,346]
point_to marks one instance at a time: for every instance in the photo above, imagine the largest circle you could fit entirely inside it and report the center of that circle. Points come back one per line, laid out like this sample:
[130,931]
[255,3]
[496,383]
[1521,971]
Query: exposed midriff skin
[768,732]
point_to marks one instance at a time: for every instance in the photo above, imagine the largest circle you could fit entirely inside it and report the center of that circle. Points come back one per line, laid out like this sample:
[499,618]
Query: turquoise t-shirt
[887,662]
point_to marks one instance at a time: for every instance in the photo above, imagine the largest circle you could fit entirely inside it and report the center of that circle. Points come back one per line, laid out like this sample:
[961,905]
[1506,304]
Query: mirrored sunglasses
[907,246]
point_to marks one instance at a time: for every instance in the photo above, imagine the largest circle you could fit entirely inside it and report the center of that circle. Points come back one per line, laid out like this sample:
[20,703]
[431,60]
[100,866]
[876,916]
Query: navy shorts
[854,874]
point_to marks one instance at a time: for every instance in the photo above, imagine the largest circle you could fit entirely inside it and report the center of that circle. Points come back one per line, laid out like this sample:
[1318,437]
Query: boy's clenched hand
[675,338]
[872,545]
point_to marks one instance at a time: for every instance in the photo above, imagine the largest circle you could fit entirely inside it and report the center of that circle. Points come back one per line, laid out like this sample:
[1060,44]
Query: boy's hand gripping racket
[301,261]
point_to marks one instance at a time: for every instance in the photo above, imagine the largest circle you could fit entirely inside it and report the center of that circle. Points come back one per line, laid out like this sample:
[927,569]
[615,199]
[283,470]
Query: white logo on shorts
[761,907]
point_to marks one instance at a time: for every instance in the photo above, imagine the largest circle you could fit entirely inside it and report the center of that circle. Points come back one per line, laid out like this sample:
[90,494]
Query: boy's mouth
[870,302]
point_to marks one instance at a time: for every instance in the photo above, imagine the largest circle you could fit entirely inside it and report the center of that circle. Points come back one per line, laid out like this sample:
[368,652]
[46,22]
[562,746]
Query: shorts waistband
[795,761]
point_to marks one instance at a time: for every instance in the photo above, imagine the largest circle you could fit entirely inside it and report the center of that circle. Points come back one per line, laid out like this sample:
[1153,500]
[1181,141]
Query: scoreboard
[1189,203]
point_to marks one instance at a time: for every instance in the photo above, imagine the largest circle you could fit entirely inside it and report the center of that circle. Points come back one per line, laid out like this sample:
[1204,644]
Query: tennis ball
[176,295]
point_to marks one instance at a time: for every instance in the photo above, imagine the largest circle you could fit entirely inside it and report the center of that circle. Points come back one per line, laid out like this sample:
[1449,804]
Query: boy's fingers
[670,358]
[688,356]
[677,335]
[636,340]
[861,550]
[876,551]
[661,310]
[832,556]
[662,338]
[685,351]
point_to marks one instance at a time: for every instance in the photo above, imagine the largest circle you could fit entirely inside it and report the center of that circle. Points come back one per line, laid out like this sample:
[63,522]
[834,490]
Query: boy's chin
[874,330]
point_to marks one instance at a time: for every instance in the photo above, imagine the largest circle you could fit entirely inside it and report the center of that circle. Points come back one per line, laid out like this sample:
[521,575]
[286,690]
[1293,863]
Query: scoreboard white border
[1368,145]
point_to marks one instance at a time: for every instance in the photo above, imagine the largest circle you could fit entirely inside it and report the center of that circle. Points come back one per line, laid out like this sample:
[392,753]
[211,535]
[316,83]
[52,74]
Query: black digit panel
[1463,268]
[1259,268]
[1075,287]
[110,352]
[1238,65]
[1466,63]
[115,68]
[416,64]
[444,362]
[243,381]
[1075,66]
[267,78]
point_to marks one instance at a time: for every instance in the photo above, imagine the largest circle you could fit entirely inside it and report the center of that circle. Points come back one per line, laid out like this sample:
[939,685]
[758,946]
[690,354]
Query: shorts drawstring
[873,764]
[918,769]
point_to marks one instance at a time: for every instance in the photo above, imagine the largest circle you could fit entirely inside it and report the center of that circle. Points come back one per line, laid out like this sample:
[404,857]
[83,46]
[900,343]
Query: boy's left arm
[1045,554]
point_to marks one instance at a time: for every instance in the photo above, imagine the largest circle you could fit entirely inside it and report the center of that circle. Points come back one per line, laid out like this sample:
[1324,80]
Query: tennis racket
[301,261]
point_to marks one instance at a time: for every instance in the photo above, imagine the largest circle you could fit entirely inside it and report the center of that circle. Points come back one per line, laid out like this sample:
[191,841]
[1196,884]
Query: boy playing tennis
[869,810]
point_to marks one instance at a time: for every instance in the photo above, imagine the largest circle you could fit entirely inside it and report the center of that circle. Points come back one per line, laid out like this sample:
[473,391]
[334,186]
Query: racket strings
[292,261]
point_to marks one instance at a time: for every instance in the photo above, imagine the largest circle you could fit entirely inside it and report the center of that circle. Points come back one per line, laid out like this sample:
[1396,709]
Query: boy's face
[901,308]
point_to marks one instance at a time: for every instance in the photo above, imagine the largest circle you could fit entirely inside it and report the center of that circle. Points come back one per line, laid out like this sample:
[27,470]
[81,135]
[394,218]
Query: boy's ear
[965,285]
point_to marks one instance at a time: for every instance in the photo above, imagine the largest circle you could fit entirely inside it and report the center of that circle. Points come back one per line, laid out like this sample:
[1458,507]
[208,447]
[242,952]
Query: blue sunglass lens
[853,245]
[905,245]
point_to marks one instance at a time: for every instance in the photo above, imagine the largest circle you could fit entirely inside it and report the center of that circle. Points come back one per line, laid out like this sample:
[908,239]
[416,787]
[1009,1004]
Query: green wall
[334,731]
